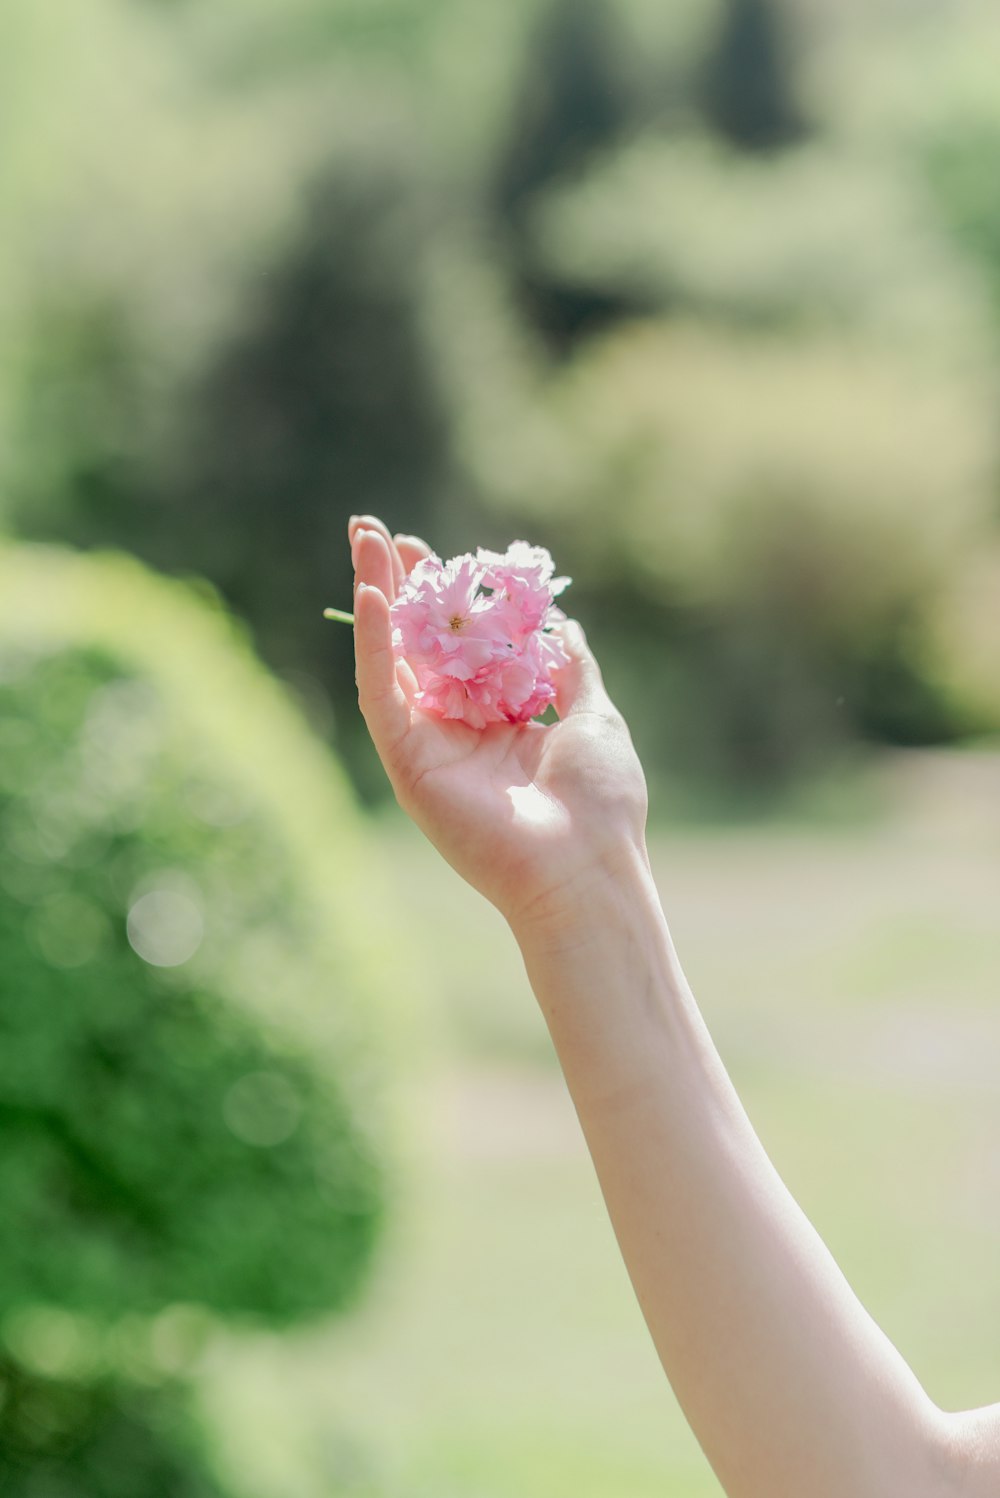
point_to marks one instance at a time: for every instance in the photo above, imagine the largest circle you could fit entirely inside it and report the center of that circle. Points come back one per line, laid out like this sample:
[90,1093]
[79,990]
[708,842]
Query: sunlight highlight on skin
[524,800]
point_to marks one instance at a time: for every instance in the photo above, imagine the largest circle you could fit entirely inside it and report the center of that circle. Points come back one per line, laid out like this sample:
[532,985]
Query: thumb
[579,684]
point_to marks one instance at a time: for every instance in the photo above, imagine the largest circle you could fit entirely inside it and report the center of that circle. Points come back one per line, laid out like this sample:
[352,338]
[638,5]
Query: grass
[850,976]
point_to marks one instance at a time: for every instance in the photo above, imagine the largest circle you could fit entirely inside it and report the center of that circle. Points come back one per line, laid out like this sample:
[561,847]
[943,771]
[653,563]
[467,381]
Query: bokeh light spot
[178,1337]
[52,1341]
[165,927]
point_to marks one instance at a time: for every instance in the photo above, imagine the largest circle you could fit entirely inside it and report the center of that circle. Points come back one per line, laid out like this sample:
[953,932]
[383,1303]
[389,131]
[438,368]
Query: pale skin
[789,1385]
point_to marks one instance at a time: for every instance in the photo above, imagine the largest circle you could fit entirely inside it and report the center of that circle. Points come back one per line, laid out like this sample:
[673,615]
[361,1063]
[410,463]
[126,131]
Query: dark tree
[748,91]
[573,103]
[322,402]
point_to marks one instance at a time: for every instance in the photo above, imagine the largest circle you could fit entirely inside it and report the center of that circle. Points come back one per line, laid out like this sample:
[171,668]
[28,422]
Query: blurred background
[706,298]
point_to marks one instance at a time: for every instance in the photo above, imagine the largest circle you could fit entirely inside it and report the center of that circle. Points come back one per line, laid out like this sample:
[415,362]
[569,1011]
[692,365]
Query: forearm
[789,1385]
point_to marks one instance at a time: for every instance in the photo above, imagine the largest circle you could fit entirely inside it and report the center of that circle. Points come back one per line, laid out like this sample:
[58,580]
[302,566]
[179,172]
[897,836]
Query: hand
[528,814]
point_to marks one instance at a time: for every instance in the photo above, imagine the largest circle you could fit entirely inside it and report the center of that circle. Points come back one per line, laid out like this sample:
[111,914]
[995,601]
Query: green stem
[339,615]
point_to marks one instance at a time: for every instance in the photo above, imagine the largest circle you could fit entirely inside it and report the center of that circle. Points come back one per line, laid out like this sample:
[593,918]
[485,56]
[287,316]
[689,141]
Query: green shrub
[63,1439]
[184,1089]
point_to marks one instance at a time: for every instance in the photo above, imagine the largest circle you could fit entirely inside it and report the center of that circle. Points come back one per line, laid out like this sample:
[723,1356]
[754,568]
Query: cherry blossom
[477,634]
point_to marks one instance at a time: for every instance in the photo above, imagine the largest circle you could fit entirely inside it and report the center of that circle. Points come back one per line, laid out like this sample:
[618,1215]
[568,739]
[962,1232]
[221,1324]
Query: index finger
[380,697]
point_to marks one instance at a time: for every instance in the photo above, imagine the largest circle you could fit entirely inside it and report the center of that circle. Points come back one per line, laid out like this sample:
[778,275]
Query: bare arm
[790,1387]
[788,1384]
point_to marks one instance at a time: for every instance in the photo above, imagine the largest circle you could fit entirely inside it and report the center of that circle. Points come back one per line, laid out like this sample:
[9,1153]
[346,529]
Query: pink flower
[476,633]
[524,576]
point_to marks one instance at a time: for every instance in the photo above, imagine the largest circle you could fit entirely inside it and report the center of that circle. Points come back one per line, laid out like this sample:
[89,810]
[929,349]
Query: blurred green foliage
[183,1089]
[61,1438]
[275,264]
[780,627]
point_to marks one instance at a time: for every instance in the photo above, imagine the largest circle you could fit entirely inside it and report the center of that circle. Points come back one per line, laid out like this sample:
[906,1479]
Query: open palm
[522,811]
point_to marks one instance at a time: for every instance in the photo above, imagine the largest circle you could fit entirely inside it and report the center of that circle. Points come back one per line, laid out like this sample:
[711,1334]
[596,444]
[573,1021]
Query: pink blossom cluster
[476,633]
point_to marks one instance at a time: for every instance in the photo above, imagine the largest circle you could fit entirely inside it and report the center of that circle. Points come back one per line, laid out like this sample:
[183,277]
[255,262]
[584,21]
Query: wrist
[569,912]
[601,932]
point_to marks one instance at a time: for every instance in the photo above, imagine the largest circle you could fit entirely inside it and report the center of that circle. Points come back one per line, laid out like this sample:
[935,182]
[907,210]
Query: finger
[380,697]
[411,551]
[408,683]
[373,562]
[359,523]
[579,684]
[373,568]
